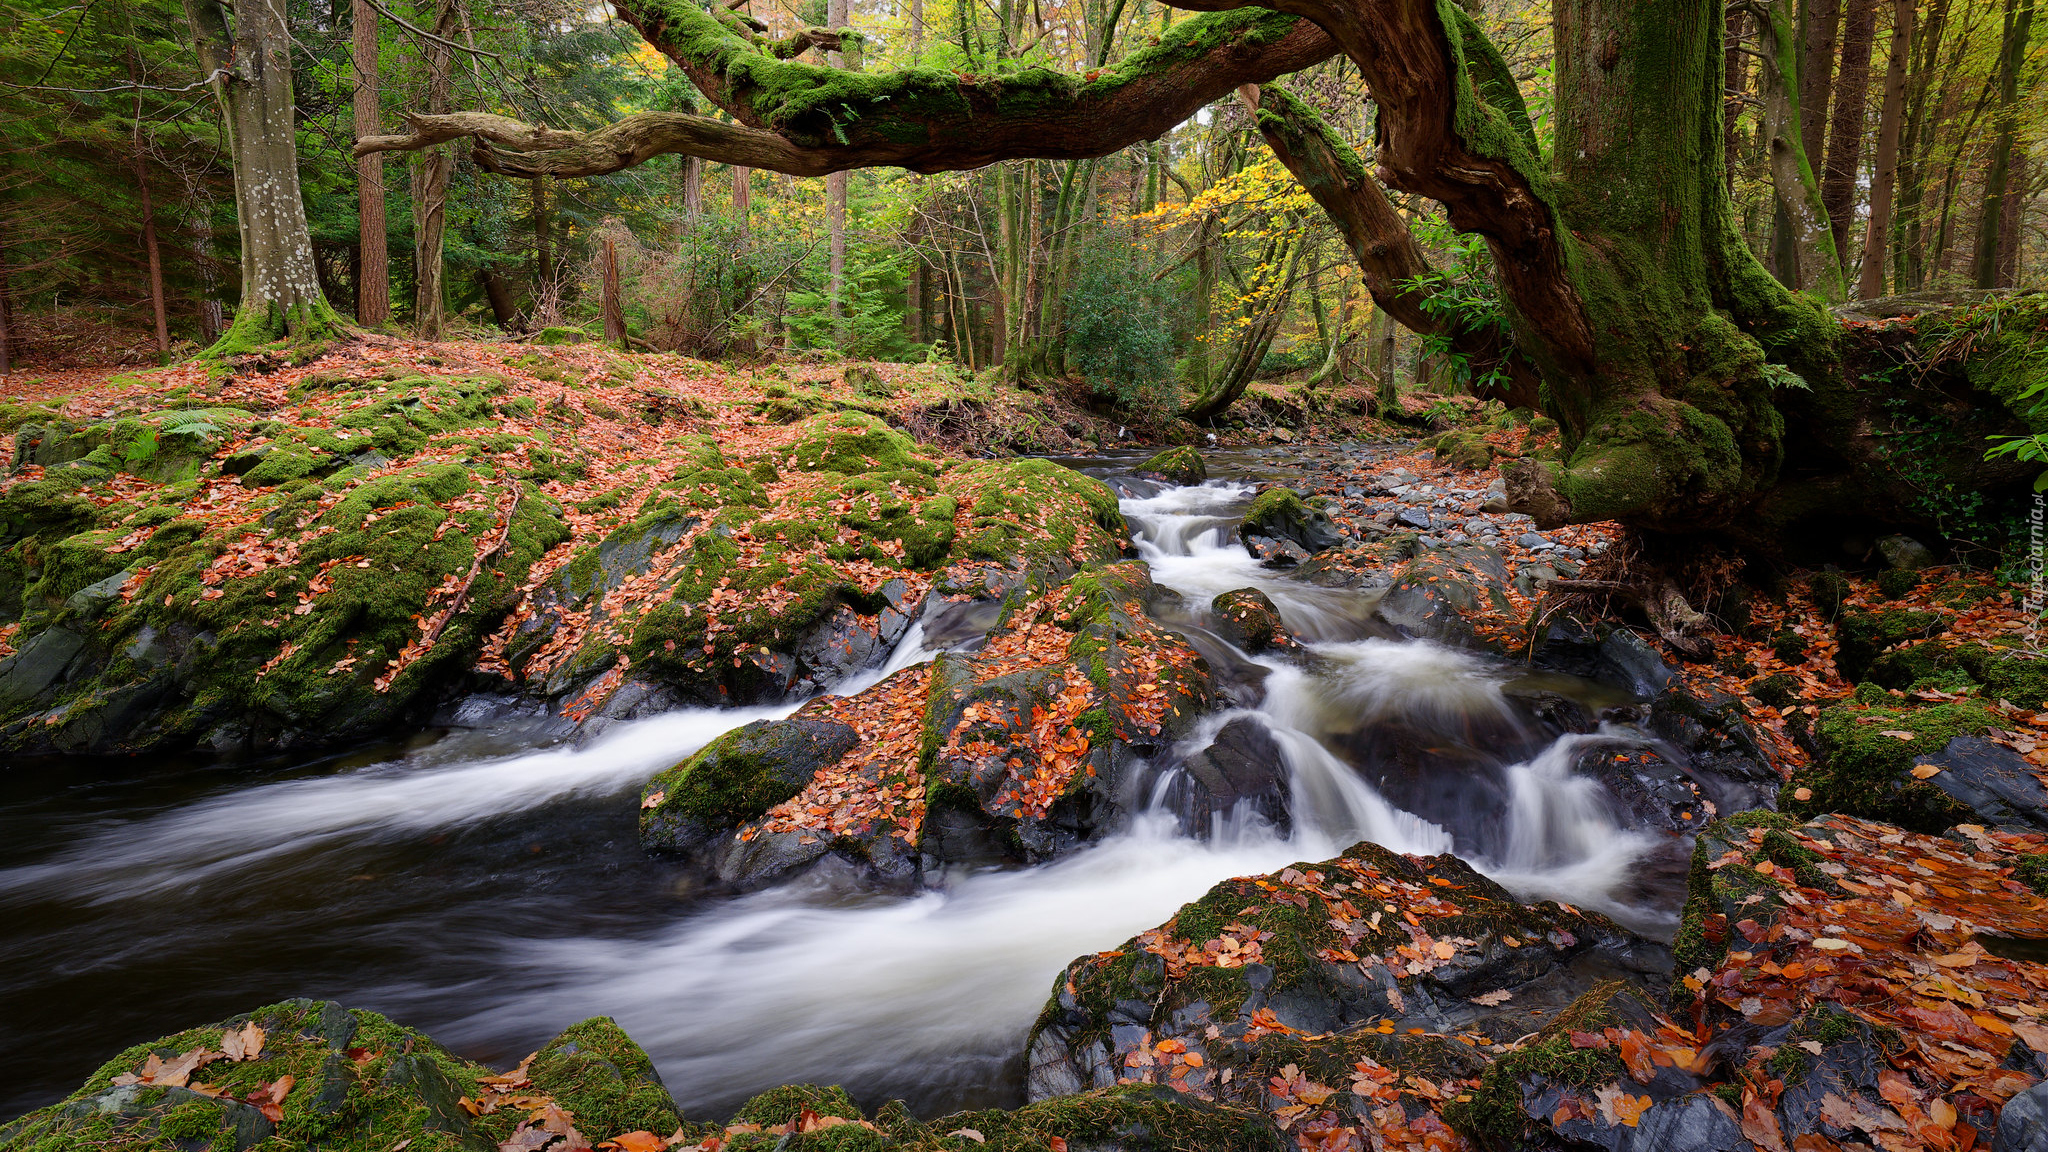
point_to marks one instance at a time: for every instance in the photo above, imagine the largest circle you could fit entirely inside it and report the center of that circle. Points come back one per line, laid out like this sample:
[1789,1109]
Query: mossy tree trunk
[248,61]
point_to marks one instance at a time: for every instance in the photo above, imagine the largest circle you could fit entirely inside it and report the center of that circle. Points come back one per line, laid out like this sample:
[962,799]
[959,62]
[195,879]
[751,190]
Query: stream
[490,892]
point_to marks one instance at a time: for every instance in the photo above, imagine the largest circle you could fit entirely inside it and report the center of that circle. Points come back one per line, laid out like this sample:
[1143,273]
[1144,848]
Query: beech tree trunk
[1884,177]
[430,171]
[373,262]
[1806,255]
[249,68]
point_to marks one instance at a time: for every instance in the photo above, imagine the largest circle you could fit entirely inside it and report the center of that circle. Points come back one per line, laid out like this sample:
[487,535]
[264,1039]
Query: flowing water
[490,892]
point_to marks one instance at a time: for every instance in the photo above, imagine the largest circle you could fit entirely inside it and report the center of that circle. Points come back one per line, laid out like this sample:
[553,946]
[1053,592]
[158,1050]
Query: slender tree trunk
[1914,145]
[691,178]
[149,246]
[1811,248]
[2019,19]
[2009,221]
[835,205]
[613,303]
[430,171]
[499,293]
[543,239]
[373,265]
[742,200]
[1877,232]
[1845,133]
[250,71]
[1734,79]
[8,337]
[1819,22]
[916,28]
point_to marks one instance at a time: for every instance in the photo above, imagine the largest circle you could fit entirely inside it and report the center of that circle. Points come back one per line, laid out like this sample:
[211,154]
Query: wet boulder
[1412,963]
[1996,783]
[1723,760]
[1283,516]
[1242,766]
[735,779]
[1249,619]
[1455,596]
[1178,465]
[1869,762]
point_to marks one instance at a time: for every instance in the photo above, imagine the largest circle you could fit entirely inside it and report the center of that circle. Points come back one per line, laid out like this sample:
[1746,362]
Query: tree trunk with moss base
[1667,353]
[250,68]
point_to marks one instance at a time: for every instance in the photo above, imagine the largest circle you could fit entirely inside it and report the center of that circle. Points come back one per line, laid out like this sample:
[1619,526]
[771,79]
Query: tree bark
[157,308]
[835,204]
[1884,179]
[1734,79]
[543,238]
[1809,244]
[1817,24]
[373,264]
[250,73]
[613,303]
[430,173]
[499,294]
[1845,133]
[1987,259]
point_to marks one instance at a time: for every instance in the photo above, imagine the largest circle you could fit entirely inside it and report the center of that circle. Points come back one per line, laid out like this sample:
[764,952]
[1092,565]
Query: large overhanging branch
[809,121]
[1377,236]
[1454,129]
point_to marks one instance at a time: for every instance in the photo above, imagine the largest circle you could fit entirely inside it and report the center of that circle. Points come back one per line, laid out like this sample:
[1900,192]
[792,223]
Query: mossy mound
[1181,465]
[350,1080]
[1464,450]
[1865,760]
[332,1079]
[854,443]
[1965,667]
[1862,636]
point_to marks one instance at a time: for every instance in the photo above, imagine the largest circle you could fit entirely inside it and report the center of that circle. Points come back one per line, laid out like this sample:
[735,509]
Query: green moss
[1862,636]
[1182,465]
[1829,590]
[854,443]
[1894,583]
[596,1072]
[1779,690]
[1494,1113]
[738,777]
[194,1120]
[558,335]
[2033,872]
[1862,771]
[786,1104]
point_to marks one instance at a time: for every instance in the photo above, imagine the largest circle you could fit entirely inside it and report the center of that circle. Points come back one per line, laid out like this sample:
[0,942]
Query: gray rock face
[1243,765]
[41,662]
[1626,659]
[1994,781]
[2023,1125]
[1905,552]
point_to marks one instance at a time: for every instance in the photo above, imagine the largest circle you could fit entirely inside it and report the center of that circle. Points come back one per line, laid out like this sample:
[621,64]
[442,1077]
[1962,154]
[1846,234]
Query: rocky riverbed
[1550,886]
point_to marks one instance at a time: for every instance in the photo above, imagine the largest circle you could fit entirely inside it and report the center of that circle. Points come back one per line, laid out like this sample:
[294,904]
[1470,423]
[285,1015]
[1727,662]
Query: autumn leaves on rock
[318,554]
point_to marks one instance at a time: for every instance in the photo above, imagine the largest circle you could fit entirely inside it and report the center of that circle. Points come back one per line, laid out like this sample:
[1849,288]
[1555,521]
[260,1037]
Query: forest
[1069,576]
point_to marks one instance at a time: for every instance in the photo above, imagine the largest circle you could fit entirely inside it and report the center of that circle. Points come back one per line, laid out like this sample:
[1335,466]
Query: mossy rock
[596,1071]
[1464,450]
[1963,666]
[560,334]
[1249,619]
[1181,465]
[1862,636]
[1865,760]
[1036,516]
[1283,513]
[359,1081]
[1829,590]
[736,778]
[854,443]
[1519,1093]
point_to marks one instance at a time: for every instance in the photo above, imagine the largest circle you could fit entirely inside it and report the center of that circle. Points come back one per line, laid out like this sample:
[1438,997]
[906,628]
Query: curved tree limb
[1378,238]
[807,120]
[1454,129]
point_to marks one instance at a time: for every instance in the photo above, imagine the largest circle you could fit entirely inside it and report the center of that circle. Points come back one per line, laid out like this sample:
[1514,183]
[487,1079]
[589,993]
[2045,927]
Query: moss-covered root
[1182,465]
[301,331]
